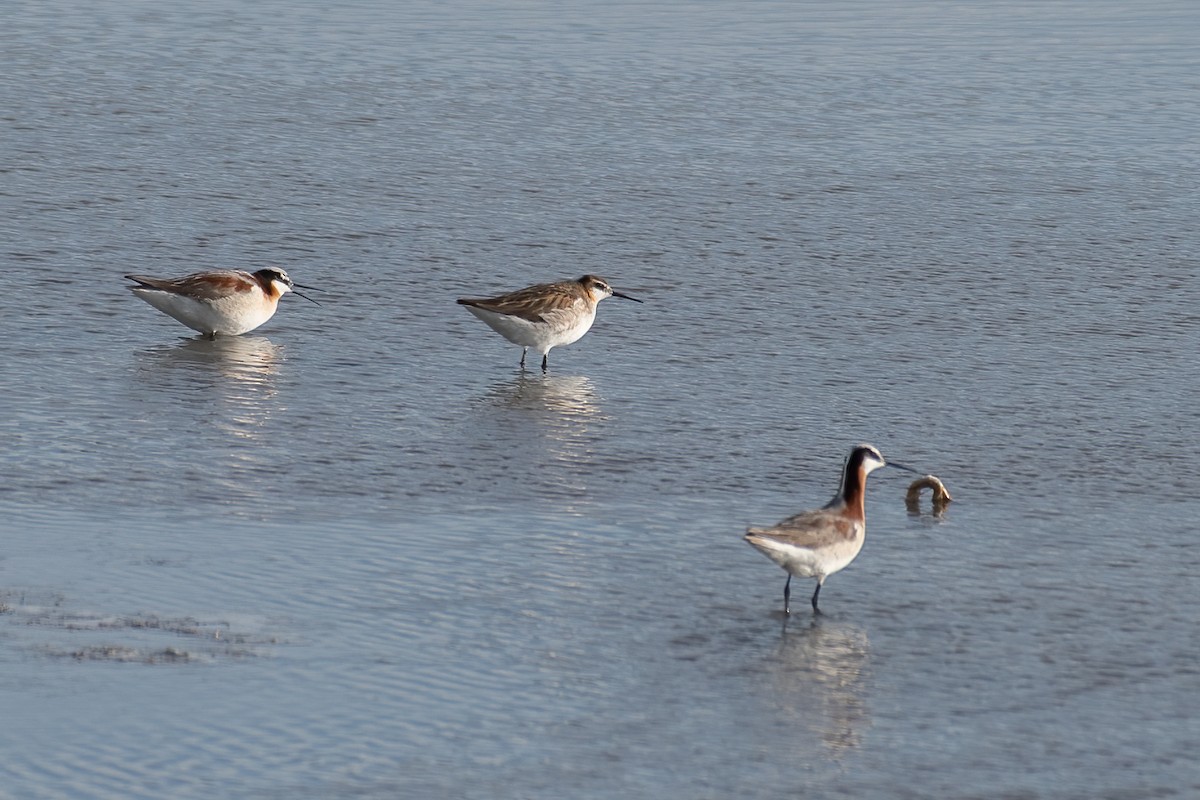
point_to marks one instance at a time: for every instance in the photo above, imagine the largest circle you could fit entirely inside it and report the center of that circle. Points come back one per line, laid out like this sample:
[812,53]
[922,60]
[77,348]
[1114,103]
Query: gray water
[359,553]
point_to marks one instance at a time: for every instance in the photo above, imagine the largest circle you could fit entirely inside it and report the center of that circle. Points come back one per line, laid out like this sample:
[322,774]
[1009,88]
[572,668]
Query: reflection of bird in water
[545,428]
[567,397]
[237,373]
[221,395]
[243,358]
[234,365]
[819,675]
[564,409]
[940,496]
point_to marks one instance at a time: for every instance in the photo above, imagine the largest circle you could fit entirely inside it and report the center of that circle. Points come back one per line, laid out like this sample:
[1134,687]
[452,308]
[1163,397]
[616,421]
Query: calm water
[358,553]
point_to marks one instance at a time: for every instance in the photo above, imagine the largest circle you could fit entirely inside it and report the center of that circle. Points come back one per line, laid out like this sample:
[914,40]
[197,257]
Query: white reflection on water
[235,371]
[228,385]
[236,357]
[818,677]
[549,418]
[569,396]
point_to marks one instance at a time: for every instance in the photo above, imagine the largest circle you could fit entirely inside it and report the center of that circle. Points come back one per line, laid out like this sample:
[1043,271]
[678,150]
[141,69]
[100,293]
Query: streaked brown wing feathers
[201,285]
[532,303]
[810,529]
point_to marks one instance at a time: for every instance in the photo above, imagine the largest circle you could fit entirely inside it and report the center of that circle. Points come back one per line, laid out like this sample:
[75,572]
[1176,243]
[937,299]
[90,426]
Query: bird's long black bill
[306,297]
[626,297]
[904,467]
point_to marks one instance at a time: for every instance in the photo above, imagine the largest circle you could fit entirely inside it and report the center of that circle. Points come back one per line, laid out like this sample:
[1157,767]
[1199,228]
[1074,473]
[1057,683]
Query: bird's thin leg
[545,361]
[787,594]
[815,593]
[524,350]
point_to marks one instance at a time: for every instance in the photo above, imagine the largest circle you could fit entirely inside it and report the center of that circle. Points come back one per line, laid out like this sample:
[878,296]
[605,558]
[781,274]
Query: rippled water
[357,552]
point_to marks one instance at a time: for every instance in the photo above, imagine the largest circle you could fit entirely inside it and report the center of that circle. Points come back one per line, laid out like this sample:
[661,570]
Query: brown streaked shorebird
[544,316]
[816,544]
[223,301]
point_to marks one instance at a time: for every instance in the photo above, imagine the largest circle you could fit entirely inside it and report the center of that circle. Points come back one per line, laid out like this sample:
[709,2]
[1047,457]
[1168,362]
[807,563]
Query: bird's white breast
[231,315]
[561,326]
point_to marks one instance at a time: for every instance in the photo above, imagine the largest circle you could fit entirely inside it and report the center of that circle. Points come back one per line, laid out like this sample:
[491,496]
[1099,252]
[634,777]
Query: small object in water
[941,497]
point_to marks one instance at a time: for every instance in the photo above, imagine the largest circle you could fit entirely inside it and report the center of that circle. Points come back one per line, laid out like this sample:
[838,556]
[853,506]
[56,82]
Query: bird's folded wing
[535,304]
[201,285]
[809,529]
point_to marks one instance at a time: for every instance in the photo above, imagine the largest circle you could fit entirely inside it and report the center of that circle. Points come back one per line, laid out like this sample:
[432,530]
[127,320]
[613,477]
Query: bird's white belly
[228,316]
[542,336]
[808,562]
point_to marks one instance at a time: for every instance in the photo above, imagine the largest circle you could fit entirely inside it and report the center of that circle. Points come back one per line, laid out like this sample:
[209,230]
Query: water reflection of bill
[818,676]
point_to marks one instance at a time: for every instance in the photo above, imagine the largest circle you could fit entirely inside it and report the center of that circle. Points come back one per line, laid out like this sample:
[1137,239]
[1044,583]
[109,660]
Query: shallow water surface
[359,552]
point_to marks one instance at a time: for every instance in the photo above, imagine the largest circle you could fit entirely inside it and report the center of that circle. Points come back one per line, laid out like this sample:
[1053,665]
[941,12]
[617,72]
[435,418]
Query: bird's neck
[851,496]
[270,289]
